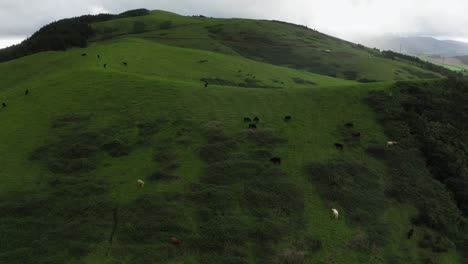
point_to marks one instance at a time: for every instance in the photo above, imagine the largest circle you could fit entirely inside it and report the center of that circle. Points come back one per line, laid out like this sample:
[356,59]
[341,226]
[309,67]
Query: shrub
[266,137]
[116,148]
[161,176]
[290,257]
[166,25]
[436,243]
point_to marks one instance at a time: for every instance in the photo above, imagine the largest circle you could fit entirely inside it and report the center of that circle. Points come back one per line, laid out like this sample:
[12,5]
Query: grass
[267,41]
[209,181]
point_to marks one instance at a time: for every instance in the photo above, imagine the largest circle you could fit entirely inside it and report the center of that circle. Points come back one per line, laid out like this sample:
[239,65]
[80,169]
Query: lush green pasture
[72,150]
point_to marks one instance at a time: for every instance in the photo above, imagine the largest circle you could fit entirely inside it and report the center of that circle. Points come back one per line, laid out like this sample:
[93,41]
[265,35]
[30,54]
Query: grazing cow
[141,183]
[339,146]
[84,54]
[105,66]
[391,143]
[276,160]
[287,118]
[256,119]
[410,233]
[98,56]
[124,63]
[175,241]
[247,119]
[335,213]
[206,84]
[252,126]
[3,104]
[356,134]
[26,92]
[349,125]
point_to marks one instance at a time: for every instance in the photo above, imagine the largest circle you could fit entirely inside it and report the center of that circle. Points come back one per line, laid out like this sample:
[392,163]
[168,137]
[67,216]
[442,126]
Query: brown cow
[175,241]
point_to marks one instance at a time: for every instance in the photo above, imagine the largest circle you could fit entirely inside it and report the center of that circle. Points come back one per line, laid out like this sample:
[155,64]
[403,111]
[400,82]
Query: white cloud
[9,41]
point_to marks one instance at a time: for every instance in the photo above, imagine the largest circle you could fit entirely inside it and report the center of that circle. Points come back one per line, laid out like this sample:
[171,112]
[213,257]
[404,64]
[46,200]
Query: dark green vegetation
[74,147]
[63,34]
[429,166]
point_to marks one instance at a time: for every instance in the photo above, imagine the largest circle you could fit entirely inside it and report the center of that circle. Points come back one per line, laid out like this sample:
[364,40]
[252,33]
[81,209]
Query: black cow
[247,120]
[256,119]
[276,160]
[84,55]
[252,126]
[287,118]
[26,92]
[206,84]
[124,63]
[410,233]
[349,125]
[105,66]
[98,56]
[339,146]
[3,104]
[356,134]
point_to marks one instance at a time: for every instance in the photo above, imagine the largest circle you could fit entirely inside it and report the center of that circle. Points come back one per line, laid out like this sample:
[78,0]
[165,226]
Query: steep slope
[73,148]
[270,41]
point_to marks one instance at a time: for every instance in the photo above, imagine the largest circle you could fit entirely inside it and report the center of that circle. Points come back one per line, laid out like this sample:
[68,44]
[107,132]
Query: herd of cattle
[252,125]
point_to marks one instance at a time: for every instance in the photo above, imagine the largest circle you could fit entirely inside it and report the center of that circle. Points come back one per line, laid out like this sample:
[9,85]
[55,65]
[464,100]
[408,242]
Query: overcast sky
[348,19]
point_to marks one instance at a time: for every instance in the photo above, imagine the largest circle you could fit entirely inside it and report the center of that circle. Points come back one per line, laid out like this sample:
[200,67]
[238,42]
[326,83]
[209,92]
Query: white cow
[391,143]
[335,213]
[141,183]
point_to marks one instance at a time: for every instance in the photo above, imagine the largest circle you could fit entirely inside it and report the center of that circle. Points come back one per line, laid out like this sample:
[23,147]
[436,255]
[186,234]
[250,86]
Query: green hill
[73,148]
[269,41]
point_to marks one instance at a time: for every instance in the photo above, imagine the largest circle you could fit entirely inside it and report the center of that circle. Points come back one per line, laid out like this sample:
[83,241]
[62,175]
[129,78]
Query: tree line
[62,34]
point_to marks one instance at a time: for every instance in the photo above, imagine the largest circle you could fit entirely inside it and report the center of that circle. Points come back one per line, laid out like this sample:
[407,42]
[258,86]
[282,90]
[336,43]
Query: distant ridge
[419,46]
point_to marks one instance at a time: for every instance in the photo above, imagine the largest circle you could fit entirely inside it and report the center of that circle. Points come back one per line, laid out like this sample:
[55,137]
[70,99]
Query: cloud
[349,19]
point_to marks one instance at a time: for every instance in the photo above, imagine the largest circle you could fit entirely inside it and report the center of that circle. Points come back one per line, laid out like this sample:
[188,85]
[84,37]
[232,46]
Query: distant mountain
[419,46]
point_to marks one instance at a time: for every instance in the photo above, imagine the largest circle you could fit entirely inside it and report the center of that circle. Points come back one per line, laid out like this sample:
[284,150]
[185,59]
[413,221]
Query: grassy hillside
[73,148]
[270,41]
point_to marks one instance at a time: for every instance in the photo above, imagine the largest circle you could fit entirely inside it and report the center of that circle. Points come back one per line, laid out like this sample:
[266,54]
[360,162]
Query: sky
[347,19]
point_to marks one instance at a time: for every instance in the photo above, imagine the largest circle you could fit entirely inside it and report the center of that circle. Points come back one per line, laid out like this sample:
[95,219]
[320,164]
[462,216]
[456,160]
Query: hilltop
[172,100]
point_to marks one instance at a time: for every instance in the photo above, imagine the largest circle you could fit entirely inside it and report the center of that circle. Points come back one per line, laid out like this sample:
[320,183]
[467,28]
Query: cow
[140,183]
[124,63]
[26,92]
[98,56]
[206,84]
[339,146]
[410,233]
[256,119]
[105,66]
[175,241]
[252,126]
[84,54]
[287,118]
[356,134]
[276,160]
[349,125]
[335,213]
[3,105]
[247,120]
[391,143]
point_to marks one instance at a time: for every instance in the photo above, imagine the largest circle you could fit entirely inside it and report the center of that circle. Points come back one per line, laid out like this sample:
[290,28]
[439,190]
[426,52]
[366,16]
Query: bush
[435,243]
[162,176]
[290,257]
[353,186]
[166,25]
[116,148]
[265,137]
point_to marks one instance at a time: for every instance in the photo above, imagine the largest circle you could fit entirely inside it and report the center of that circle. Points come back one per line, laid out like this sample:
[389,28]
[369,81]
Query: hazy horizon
[347,19]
